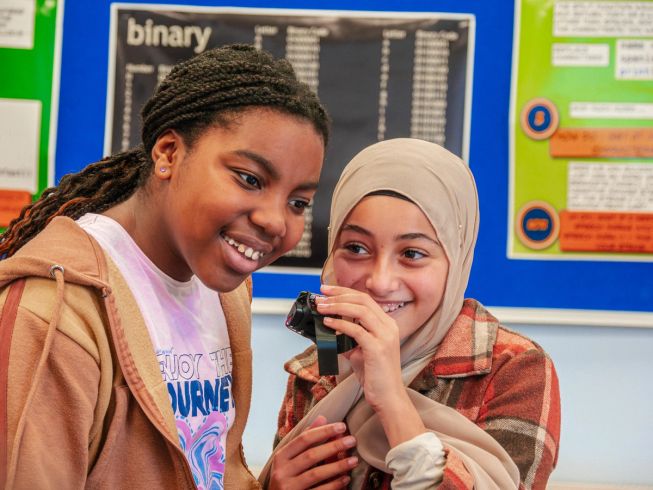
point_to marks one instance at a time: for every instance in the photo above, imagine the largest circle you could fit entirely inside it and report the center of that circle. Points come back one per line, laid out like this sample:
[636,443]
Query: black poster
[380,76]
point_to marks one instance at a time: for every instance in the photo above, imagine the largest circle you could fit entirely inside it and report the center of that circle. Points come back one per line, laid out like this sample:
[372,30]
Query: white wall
[606,387]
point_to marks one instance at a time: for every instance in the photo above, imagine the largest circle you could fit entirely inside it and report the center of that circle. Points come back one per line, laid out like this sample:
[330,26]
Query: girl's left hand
[376,361]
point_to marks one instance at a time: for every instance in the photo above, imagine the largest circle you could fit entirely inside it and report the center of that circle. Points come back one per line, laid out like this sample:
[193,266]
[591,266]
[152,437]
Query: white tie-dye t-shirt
[191,343]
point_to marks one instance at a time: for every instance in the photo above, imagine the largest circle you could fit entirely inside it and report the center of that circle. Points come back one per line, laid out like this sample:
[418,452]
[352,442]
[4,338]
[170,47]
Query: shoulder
[518,359]
[477,343]
[81,318]
[511,342]
[65,243]
[487,325]
[78,300]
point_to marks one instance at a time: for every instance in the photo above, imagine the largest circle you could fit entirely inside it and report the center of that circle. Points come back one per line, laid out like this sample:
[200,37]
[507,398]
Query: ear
[167,152]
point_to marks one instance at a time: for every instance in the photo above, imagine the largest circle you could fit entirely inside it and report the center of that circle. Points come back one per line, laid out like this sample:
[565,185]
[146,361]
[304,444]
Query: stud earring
[163,170]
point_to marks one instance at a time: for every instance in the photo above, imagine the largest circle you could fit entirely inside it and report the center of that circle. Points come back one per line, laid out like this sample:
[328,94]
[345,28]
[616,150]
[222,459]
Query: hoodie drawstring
[57,273]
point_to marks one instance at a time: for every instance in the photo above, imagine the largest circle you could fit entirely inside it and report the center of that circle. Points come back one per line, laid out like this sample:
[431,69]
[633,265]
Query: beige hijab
[442,186]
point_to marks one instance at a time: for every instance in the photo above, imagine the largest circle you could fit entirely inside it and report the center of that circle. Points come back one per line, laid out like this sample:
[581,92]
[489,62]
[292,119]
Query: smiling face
[388,249]
[235,201]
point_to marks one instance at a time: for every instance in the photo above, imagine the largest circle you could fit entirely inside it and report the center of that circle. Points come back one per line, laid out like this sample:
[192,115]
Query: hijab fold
[443,187]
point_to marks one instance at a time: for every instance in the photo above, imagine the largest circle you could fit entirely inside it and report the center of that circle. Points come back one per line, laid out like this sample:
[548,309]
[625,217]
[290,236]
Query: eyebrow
[269,168]
[356,228]
[417,236]
[261,160]
[405,236]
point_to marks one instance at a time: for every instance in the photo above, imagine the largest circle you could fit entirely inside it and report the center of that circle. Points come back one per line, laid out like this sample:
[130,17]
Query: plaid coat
[500,380]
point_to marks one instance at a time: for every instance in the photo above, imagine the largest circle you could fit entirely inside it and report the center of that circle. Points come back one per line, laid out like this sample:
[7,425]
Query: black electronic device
[305,320]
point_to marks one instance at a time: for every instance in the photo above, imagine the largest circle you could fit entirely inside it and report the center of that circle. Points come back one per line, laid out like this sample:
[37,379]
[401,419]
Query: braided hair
[201,92]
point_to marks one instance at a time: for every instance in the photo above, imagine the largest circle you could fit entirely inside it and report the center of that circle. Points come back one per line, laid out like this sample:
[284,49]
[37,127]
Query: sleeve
[49,411]
[417,463]
[521,410]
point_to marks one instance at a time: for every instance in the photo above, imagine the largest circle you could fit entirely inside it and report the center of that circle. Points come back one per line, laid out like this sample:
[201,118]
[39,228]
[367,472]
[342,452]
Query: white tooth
[249,252]
[392,307]
[241,248]
[255,255]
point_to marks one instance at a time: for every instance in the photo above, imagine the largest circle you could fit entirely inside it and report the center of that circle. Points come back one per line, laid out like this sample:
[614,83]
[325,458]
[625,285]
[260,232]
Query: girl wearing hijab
[438,393]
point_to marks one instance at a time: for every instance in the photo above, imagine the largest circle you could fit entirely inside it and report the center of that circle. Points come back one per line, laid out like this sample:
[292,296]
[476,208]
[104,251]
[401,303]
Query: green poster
[581,169]
[29,39]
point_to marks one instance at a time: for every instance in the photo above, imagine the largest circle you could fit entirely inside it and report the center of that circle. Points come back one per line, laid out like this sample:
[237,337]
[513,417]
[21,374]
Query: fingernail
[349,441]
[340,428]
[325,288]
[345,480]
[353,461]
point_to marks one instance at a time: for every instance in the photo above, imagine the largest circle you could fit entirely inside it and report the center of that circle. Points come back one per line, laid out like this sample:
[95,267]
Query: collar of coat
[465,351]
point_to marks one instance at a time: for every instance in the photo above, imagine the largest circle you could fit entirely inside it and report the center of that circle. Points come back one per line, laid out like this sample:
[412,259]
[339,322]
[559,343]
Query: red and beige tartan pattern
[500,380]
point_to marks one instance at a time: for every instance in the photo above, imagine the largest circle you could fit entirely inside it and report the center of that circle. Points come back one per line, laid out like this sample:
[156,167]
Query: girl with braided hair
[125,357]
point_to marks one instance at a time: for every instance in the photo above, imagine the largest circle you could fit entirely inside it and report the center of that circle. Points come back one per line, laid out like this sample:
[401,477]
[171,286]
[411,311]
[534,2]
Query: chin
[223,284]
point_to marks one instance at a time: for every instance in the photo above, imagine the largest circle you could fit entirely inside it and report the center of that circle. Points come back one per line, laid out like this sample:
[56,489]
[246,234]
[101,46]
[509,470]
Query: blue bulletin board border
[570,291]
[284,283]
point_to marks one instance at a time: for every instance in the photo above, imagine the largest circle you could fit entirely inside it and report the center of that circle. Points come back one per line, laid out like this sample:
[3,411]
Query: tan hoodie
[82,400]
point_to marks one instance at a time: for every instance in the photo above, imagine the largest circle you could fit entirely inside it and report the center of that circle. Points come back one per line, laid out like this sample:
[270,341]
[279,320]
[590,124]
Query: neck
[141,216]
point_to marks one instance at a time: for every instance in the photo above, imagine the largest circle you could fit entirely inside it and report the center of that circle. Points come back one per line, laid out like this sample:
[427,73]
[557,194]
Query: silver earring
[163,170]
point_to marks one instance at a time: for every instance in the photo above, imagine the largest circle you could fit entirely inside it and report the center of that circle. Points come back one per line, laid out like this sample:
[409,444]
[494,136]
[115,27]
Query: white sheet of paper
[20,126]
[17,23]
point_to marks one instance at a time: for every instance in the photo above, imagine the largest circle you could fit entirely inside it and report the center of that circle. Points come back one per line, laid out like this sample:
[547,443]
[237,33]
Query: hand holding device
[305,320]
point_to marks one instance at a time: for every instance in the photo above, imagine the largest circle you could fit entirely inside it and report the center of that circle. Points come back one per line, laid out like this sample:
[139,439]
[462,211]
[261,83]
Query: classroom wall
[605,384]
[604,371]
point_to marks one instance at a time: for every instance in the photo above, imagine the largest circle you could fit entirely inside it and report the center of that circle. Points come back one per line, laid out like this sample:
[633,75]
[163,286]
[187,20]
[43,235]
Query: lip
[237,261]
[387,303]
[264,247]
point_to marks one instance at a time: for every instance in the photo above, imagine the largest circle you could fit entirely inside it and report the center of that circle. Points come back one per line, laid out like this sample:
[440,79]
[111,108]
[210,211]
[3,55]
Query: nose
[270,216]
[382,278]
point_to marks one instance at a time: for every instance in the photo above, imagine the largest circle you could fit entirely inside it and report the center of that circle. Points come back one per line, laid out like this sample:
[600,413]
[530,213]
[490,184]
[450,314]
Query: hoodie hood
[51,250]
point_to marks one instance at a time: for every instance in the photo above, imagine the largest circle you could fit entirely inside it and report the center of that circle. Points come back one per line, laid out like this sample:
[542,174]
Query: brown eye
[300,204]
[249,179]
[355,248]
[413,254]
